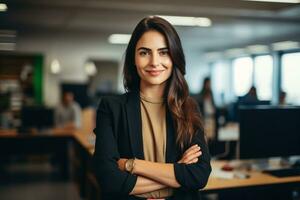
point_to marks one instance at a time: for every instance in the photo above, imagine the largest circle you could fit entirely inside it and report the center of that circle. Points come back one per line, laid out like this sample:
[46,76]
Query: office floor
[34,181]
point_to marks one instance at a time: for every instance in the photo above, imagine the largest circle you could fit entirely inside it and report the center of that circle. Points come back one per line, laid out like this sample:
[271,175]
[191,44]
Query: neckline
[151,100]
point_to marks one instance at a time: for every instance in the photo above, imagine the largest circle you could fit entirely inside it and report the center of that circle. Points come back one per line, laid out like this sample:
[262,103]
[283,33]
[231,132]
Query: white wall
[72,51]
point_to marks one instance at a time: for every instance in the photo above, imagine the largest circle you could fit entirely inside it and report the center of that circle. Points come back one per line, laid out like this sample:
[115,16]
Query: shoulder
[114,99]
[114,102]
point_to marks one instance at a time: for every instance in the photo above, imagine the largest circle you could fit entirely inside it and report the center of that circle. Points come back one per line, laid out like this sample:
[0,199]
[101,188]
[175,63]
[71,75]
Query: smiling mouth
[154,72]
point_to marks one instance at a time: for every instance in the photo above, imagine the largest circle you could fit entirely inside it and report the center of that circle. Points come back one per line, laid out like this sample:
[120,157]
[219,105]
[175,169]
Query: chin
[155,81]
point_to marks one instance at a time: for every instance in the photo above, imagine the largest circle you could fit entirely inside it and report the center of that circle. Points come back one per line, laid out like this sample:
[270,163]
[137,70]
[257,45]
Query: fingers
[189,149]
[191,155]
[192,150]
[193,161]
[192,158]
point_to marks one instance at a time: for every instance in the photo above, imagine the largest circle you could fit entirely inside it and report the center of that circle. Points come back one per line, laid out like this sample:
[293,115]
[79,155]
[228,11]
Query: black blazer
[119,135]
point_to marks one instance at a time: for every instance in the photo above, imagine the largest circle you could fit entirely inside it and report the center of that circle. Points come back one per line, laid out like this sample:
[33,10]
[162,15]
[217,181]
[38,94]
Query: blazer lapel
[171,150]
[134,120]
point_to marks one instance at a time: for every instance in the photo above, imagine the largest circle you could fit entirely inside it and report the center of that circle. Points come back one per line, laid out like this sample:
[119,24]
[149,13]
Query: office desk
[257,179]
[230,132]
[55,142]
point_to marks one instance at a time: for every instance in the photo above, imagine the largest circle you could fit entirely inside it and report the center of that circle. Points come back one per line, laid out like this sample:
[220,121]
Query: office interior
[50,47]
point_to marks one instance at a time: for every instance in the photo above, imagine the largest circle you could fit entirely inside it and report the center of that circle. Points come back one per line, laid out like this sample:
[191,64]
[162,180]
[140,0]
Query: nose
[155,61]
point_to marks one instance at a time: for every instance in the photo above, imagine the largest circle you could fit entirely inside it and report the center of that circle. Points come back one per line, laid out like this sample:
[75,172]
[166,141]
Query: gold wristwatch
[129,165]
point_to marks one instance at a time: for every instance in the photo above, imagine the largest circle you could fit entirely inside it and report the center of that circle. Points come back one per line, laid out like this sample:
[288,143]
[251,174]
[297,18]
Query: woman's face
[152,59]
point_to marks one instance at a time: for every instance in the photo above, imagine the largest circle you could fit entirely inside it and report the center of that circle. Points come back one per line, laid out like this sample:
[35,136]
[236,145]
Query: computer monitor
[267,131]
[37,117]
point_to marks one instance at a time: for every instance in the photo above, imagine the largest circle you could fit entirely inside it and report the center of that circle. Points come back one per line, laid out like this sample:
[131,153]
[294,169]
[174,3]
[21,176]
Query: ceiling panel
[235,22]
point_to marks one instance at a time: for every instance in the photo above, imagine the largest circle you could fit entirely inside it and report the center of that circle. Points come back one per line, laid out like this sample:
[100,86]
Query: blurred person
[250,98]
[68,113]
[282,98]
[207,107]
[150,141]
[6,117]
[27,85]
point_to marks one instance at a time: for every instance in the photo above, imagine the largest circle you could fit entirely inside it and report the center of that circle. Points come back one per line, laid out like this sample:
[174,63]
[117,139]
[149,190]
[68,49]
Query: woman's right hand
[191,155]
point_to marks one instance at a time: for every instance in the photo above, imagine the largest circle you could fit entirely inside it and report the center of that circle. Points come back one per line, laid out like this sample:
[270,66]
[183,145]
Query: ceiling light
[257,49]
[277,1]
[235,52]
[187,21]
[90,68]
[3,7]
[55,67]
[285,45]
[119,38]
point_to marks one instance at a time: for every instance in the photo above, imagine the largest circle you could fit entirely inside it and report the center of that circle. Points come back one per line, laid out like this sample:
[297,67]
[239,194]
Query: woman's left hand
[191,155]
[121,164]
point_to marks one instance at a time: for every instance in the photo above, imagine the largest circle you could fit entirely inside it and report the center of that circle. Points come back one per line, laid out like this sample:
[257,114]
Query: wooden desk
[55,142]
[256,179]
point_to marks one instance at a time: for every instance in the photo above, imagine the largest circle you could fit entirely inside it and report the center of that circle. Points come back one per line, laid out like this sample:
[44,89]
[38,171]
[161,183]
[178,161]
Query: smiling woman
[150,141]
[153,62]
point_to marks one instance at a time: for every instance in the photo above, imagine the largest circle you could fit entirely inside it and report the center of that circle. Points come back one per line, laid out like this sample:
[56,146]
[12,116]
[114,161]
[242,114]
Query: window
[221,82]
[290,81]
[263,76]
[242,75]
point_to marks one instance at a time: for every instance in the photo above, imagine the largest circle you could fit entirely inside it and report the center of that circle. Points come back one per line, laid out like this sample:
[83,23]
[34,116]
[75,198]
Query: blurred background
[67,54]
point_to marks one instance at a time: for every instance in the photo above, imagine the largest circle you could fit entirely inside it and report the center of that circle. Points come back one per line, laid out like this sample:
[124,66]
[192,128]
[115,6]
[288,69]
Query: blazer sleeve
[194,176]
[110,177]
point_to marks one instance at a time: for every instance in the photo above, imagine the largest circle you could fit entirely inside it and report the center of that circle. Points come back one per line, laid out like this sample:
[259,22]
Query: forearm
[160,172]
[144,185]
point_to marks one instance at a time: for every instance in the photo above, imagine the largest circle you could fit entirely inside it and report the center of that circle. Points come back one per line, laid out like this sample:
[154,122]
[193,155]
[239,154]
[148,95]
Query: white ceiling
[235,22]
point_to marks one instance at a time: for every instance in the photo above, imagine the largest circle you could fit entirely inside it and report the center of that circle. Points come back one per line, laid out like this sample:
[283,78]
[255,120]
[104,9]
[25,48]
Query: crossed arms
[154,176]
[190,173]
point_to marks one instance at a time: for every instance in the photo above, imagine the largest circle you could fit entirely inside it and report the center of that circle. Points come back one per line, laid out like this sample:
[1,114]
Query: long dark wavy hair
[182,107]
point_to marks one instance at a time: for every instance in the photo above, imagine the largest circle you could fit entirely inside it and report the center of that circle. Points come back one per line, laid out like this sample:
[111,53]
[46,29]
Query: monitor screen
[37,117]
[269,132]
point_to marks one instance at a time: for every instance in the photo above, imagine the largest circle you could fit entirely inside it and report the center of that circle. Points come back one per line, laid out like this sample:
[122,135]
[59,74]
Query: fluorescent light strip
[277,1]
[257,48]
[119,38]
[187,21]
[3,7]
[235,52]
[285,45]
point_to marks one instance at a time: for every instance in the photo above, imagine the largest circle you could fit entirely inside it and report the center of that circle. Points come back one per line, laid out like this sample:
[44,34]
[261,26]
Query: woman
[150,142]
[207,106]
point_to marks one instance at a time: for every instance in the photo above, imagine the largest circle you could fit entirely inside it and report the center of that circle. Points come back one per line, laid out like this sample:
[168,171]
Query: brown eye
[164,53]
[143,53]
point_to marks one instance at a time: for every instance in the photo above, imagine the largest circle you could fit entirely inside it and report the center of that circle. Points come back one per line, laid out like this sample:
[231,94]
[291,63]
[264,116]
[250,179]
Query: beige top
[154,131]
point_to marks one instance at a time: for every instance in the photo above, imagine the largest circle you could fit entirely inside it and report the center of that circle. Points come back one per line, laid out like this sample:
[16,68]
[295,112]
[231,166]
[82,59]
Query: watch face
[128,165]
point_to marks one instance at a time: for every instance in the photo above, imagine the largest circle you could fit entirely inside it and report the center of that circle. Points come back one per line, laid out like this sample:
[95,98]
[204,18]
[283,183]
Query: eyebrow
[147,49]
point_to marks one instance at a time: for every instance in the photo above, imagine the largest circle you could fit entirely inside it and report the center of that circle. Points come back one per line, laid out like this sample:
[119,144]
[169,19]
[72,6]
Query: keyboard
[283,172]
